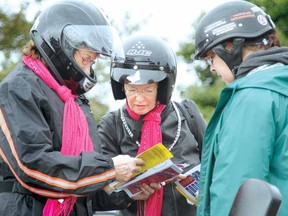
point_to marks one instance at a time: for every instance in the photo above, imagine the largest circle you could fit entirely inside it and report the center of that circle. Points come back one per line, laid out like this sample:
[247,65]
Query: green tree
[98,109]
[206,94]
[13,36]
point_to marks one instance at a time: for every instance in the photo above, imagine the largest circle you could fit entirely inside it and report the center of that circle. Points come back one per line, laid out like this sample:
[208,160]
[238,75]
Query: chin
[141,112]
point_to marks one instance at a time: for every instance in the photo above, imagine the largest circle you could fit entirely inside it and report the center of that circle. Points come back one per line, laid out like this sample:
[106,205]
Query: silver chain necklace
[137,142]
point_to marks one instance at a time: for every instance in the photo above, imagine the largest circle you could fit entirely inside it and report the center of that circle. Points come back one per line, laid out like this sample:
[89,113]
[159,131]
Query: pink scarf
[75,131]
[150,136]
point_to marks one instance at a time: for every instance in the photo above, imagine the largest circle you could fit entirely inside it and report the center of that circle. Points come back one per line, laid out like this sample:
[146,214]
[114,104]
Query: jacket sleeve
[28,145]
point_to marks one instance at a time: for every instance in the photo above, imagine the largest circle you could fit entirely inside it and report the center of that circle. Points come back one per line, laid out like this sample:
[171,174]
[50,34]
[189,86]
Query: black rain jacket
[31,165]
[116,140]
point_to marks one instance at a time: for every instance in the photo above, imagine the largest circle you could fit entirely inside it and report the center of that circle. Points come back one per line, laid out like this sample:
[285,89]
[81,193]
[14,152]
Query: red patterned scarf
[75,131]
[151,135]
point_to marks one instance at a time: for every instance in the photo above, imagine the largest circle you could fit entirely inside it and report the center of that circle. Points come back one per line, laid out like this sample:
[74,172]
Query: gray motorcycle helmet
[234,21]
[148,59]
[68,25]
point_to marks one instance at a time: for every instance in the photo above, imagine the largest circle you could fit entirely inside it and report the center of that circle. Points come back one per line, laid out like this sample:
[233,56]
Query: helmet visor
[101,39]
[137,77]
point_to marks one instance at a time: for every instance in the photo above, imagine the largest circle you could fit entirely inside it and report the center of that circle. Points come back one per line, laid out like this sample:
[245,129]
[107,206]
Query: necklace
[137,142]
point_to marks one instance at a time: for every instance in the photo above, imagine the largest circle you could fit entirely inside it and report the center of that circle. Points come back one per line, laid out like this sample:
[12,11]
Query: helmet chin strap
[232,58]
[44,48]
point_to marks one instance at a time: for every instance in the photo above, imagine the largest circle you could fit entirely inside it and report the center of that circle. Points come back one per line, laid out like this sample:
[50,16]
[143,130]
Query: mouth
[140,106]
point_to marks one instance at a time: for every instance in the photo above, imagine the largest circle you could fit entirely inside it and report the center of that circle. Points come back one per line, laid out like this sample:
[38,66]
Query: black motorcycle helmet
[148,59]
[235,21]
[66,26]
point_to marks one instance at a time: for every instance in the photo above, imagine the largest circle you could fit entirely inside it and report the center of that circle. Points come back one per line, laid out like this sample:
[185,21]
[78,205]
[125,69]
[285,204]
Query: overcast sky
[169,19]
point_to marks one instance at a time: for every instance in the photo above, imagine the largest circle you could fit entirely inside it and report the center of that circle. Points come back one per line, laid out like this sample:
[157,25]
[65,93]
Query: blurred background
[174,21]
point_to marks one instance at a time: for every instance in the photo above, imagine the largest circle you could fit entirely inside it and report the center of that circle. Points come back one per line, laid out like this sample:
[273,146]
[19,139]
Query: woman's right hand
[125,166]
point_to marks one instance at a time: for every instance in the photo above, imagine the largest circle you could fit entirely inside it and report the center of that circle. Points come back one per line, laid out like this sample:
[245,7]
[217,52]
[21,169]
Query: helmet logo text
[139,50]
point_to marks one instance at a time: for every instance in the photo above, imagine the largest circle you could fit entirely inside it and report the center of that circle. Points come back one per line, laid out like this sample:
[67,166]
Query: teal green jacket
[247,137]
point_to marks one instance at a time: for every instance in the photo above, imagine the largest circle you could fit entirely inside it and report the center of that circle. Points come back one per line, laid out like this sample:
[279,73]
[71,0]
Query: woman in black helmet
[247,135]
[51,159]
[146,80]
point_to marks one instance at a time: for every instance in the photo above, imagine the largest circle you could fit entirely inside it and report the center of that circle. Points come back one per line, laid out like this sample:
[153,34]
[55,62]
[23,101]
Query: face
[141,98]
[85,58]
[218,66]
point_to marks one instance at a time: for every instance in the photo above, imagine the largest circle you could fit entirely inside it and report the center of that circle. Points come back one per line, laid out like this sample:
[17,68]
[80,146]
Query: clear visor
[102,39]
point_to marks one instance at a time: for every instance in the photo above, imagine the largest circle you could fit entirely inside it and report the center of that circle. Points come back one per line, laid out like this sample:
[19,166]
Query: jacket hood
[270,56]
[274,79]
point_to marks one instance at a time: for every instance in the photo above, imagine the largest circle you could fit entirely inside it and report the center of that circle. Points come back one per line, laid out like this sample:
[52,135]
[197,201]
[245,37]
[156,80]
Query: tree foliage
[207,93]
[13,36]
[98,109]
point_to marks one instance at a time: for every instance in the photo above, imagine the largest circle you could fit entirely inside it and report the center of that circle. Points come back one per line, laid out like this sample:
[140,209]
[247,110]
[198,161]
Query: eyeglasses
[145,92]
[209,58]
[88,56]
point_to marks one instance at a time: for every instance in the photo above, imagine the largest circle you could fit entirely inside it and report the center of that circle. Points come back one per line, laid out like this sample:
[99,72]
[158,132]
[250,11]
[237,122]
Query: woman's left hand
[147,191]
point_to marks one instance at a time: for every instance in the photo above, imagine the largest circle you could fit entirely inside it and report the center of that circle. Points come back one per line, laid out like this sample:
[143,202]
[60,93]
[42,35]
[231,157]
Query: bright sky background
[171,20]
[168,19]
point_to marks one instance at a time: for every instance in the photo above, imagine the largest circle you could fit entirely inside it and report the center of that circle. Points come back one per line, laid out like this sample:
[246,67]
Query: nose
[139,96]
[212,69]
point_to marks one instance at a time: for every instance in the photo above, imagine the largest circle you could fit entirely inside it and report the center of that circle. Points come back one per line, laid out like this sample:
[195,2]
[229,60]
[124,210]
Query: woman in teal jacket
[247,135]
